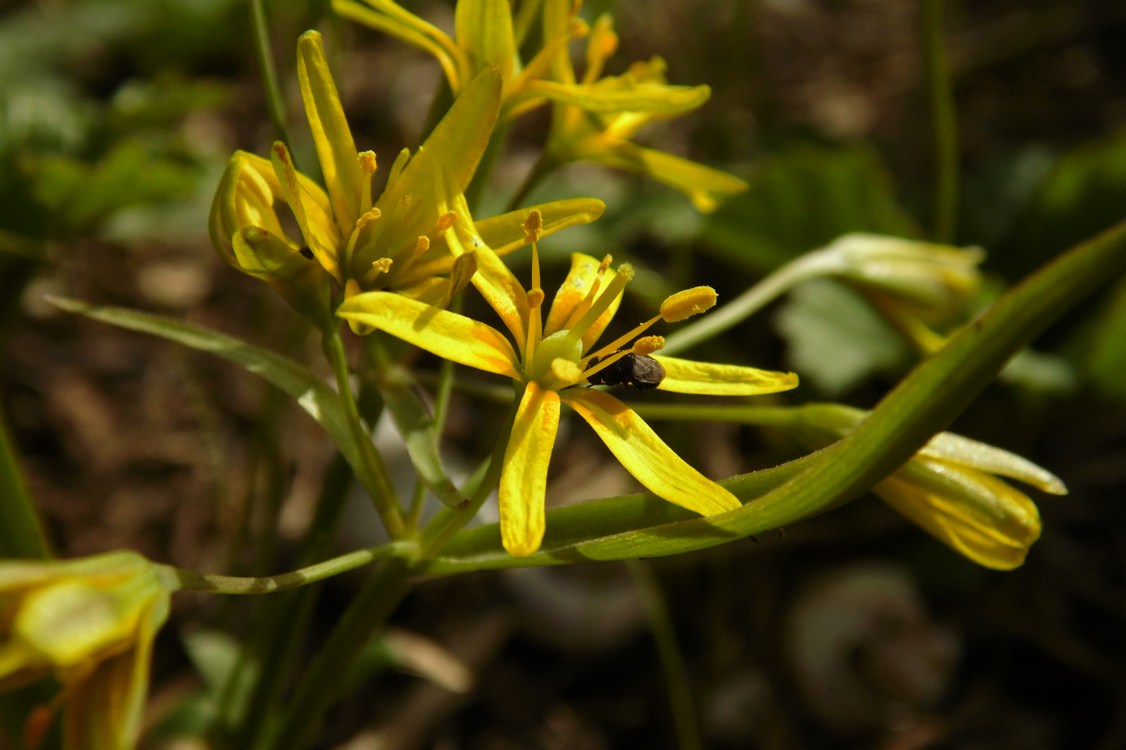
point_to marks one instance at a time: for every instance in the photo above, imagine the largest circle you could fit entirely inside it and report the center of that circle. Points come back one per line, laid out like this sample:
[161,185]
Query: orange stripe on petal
[446,334]
[523,482]
[646,456]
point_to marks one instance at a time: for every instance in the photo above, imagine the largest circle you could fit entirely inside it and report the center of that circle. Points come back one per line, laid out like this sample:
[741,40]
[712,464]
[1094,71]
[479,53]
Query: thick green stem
[374,474]
[941,97]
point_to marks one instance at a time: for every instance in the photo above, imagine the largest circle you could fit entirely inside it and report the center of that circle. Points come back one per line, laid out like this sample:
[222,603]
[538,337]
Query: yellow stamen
[368,167]
[445,221]
[646,345]
[684,305]
[533,226]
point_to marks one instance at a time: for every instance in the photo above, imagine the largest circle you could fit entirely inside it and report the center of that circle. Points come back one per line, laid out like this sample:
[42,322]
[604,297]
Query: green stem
[762,416]
[672,663]
[751,301]
[374,474]
[941,97]
[190,580]
[275,103]
[321,684]
[21,534]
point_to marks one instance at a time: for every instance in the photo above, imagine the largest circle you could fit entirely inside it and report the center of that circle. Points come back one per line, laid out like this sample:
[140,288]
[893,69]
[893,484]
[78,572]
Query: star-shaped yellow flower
[90,623]
[551,362]
[392,242]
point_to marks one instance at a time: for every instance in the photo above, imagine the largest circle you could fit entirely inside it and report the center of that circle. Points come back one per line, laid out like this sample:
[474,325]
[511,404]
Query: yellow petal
[704,186]
[566,308]
[446,334]
[607,97]
[484,30]
[310,208]
[393,19]
[645,456]
[947,520]
[709,379]
[496,283]
[336,149]
[505,233]
[523,481]
[957,449]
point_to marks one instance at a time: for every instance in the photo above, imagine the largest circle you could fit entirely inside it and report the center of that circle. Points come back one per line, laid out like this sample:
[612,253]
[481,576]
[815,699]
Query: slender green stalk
[321,684]
[941,97]
[672,663]
[374,475]
[275,103]
[762,416]
[190,580]
[21,534]
[751,301]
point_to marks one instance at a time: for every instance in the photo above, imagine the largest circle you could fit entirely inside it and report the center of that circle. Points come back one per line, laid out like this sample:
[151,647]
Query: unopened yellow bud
[648,344]
[684,305]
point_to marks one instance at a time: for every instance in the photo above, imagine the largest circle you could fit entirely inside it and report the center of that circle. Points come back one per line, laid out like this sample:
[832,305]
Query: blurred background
[850,630]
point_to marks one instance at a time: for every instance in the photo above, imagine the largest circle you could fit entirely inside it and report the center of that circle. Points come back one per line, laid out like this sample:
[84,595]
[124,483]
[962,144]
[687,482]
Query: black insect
[639,370]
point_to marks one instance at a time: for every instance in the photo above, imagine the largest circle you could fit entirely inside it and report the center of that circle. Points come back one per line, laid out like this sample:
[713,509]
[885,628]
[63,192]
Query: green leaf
[836,341]
[321,402]
[21,534]
[802,198]
[416,425]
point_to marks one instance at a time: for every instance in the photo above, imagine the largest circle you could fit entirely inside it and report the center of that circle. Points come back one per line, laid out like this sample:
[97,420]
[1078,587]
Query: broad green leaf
[835,339]
[321,402]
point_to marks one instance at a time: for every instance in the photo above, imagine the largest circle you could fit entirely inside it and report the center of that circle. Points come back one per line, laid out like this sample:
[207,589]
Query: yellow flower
[90,623]
[951,490]
[392,242]
[595,117]
[551,361]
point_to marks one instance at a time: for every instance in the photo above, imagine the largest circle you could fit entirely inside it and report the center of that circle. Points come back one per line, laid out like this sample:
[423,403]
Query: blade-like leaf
[320,401]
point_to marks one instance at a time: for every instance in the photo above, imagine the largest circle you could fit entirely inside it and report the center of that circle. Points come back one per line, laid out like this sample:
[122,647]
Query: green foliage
[801,198]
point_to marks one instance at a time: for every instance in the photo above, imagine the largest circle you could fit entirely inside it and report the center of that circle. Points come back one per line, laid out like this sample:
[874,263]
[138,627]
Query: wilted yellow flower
[550,364]
[392,242]
[90,623]
[951,489]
